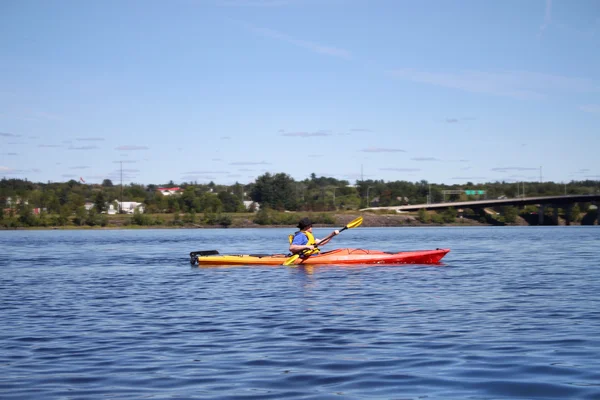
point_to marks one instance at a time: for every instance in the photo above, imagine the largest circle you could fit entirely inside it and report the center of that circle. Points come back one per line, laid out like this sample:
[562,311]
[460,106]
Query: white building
[170,191]
[248,204]
[128,207]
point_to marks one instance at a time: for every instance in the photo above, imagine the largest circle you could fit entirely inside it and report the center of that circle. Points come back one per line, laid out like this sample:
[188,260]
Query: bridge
[566,201]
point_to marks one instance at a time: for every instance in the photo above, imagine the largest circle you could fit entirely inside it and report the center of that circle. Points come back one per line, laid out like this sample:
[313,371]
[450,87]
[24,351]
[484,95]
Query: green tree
[575,213]
[275,191]
[510,214]
[424,216]
[92,217]
[80,216]
[188,199]
[26,216]
[210,203]
[100,202]
[173,204]
[231,203]
[449,215]
[263,217]
[75,200]
[190,217]
[176,219]
[64,215]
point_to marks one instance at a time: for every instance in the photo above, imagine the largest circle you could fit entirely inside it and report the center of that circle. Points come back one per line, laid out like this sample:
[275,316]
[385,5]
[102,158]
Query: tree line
[26,203]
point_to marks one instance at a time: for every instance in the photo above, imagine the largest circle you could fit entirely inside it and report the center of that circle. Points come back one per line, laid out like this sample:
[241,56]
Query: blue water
[513,313]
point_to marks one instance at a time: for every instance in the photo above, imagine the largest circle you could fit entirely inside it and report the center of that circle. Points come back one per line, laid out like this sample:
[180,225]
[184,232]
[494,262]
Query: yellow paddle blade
[355,223]
[291,260]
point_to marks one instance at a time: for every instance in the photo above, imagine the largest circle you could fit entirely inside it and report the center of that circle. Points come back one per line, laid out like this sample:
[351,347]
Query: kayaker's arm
[325,240]
[298,248]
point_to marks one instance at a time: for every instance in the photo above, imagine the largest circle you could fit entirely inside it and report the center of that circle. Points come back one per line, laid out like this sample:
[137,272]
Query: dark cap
[304,223]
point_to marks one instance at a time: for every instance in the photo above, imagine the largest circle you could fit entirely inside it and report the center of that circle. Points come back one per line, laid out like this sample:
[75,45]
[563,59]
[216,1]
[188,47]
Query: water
[512,313]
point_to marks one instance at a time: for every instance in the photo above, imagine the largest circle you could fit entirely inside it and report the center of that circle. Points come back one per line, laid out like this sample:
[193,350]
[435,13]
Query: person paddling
[304,240]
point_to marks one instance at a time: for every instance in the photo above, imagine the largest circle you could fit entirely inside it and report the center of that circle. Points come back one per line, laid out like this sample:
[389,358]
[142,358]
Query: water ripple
[512,314]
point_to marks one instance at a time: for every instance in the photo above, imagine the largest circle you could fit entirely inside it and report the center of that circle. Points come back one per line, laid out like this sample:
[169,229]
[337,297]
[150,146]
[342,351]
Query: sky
[227,90]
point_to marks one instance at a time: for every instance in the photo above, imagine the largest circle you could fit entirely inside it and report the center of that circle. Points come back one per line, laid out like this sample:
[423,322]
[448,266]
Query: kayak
[334,257]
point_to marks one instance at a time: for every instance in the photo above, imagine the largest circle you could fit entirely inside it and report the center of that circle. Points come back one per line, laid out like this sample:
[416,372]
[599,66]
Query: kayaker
[303,240]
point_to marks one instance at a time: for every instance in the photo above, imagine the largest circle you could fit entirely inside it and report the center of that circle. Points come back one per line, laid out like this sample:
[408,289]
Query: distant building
[11,202]
[128,207]
[248,204]
[169,191]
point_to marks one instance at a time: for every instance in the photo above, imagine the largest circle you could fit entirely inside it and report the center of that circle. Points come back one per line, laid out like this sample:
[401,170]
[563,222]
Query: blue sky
[226,90]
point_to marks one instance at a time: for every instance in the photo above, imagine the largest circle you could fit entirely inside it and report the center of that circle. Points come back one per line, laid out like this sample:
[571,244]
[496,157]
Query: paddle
[353,224]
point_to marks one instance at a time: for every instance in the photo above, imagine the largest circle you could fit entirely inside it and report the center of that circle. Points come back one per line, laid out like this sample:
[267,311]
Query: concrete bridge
[566,201]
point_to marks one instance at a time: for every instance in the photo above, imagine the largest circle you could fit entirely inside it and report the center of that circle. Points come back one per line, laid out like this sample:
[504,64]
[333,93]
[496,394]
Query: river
[512,313]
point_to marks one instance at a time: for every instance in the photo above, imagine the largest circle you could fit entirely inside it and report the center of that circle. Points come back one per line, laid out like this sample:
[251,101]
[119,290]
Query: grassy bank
[265,218]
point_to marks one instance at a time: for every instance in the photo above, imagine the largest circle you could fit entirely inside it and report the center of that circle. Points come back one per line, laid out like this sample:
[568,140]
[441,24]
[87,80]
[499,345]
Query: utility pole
[368,195]
[121,203]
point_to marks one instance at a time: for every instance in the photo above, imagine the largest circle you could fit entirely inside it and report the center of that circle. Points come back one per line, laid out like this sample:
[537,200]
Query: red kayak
[334,257]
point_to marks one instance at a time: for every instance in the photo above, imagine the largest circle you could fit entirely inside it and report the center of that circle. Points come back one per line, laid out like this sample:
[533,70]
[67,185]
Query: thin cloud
[131,148]
[11,154]
[425,159]
[225,137]
[44,115]
[591,108]
[314,47]
[516,84]
[91,139]
[80,167]
[361,130]
[400,169]
[49,145]
[11,171]
[307,134]
[84,148]
[547,17]
[510,169]
[6,134]
[249,163]
[254,3]
[198,177]
[125,162]
[469,178]
[382,150]
[116,175]
[452,120]
[205,172]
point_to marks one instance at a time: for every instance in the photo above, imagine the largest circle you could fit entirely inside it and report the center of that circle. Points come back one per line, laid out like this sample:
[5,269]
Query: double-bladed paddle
[353,224]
